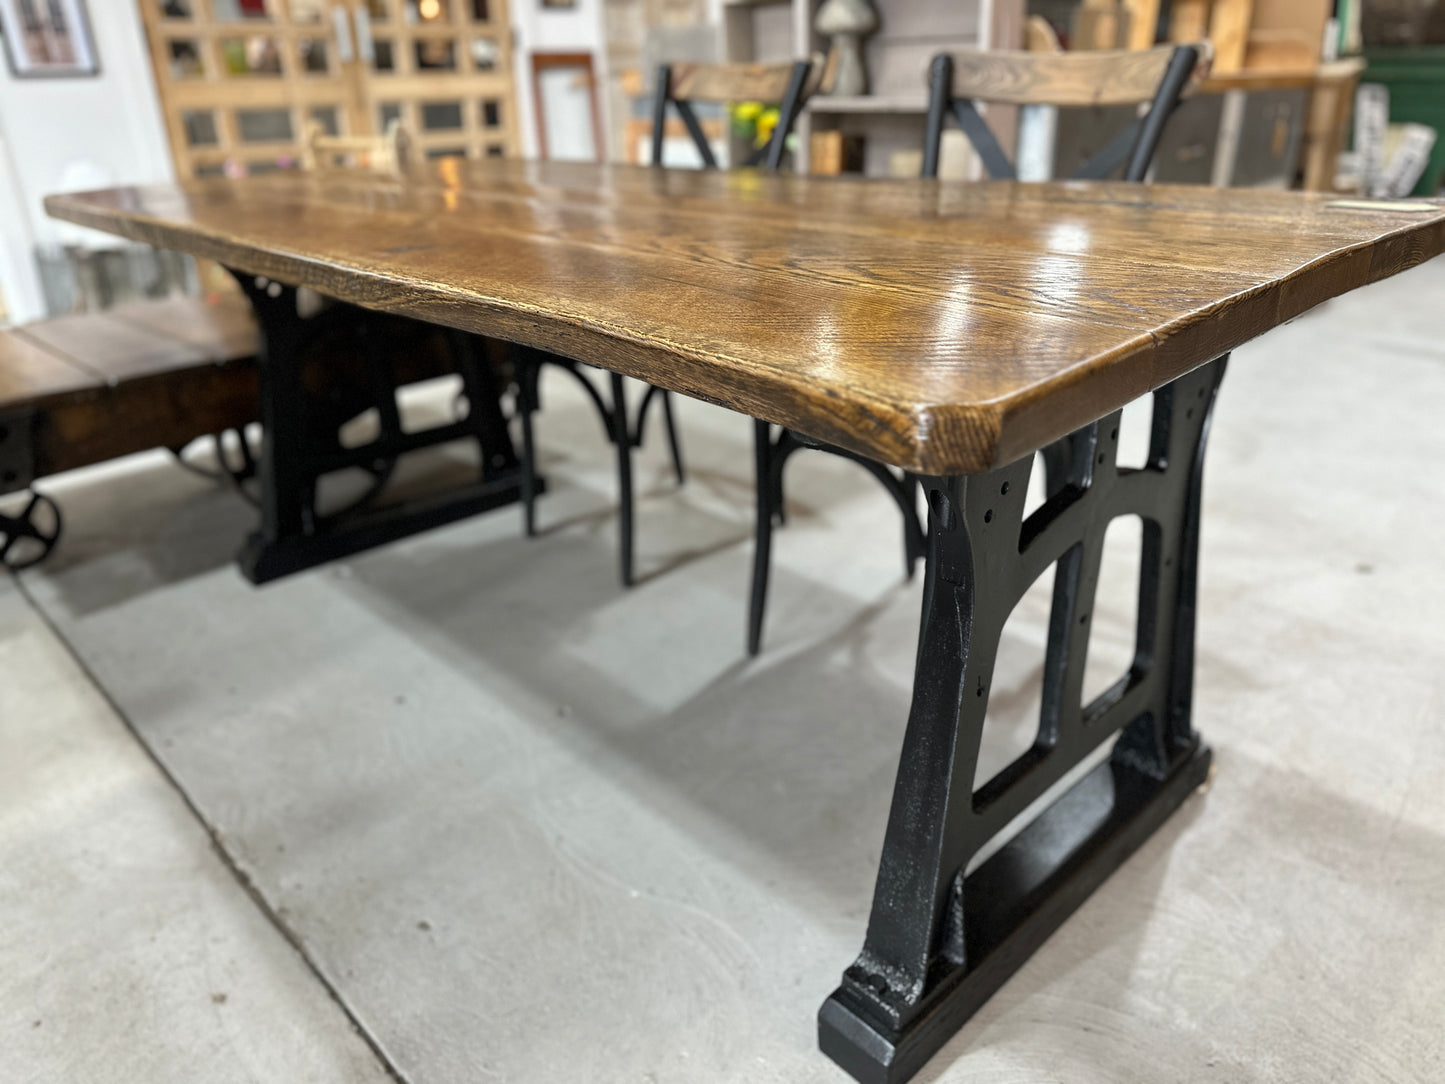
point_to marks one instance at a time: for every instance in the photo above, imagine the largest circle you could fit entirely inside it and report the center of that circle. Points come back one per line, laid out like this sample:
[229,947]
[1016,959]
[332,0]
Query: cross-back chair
[1157,78]
[678,86]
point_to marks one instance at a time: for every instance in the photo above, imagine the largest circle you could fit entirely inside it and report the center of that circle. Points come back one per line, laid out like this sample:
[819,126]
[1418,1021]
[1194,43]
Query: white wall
[556,30]
[74,133]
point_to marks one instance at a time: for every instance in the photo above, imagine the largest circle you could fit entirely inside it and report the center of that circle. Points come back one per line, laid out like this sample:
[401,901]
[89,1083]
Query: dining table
[970,334]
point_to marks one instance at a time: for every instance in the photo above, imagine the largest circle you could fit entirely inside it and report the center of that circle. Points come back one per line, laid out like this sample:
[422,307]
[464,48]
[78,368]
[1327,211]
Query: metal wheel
[28,538]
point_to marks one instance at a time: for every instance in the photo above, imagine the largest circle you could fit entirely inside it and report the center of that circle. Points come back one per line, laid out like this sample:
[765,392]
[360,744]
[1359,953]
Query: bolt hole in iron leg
[942,939]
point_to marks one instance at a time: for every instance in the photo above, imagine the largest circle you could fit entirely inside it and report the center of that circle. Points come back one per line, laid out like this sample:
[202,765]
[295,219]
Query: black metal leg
[620,430]
[763,533]
[941,940]
[771,456]
[484,406]
[672,439]
[665,397]
[903,490]
[915,544]
[528,371]
[622,438]
[287,493]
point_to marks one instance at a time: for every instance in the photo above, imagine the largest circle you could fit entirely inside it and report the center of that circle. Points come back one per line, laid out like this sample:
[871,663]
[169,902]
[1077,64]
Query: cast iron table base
[301,443]
[942,939]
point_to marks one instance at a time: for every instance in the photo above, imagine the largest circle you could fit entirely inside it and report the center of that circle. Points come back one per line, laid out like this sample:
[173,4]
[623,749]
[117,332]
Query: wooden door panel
[240,81]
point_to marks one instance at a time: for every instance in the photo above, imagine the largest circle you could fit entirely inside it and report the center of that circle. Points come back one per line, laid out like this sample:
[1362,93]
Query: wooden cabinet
[240,81]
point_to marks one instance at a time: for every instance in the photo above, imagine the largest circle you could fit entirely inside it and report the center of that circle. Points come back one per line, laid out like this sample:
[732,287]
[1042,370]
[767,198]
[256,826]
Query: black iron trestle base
[1015,900]
[942,939]
[320,372]
[361,529]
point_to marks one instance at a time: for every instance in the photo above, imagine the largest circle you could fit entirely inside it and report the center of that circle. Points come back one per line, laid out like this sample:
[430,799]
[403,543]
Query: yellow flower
[767,121]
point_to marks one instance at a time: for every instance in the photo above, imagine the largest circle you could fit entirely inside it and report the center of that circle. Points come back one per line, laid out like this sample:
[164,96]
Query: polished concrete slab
[535,827]
[128,949]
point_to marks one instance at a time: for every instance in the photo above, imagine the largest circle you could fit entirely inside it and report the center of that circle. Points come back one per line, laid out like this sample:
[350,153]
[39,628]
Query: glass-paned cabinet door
[242,82]
[436,64]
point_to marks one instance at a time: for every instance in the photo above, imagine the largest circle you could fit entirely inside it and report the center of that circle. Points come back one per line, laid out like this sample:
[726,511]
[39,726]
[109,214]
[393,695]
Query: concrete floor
[530,827]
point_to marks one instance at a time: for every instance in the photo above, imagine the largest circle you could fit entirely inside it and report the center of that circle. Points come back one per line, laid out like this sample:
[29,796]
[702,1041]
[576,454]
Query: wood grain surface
[693,82]
[937,326]
[152,374]
[1088,78]
[31,374]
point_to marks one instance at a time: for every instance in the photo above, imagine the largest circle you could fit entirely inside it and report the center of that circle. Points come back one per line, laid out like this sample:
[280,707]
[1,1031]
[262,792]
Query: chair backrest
[383,153]
[785,85]
[1161,77]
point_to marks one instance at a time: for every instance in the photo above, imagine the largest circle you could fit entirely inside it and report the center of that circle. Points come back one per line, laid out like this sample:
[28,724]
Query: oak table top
[939,326]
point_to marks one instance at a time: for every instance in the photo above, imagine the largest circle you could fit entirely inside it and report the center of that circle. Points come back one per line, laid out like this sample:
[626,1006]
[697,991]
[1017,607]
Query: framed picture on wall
[47,38]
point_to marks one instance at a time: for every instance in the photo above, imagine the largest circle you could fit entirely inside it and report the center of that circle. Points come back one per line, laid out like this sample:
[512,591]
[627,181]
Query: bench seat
[82,389]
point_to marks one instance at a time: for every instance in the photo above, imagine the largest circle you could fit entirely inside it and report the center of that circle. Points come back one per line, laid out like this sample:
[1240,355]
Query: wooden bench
[82,389]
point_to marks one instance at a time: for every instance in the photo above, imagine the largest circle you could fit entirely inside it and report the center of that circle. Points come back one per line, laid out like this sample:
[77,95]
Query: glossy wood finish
[945,328]
[1102,77]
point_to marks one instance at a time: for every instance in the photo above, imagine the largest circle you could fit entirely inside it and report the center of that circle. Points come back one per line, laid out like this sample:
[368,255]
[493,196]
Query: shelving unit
[859,105]
[897,56]
[910,32]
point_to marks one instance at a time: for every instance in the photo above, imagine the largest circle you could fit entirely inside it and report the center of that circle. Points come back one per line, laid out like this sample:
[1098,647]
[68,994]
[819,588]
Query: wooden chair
[677,86]
[1158,78]
[385,153]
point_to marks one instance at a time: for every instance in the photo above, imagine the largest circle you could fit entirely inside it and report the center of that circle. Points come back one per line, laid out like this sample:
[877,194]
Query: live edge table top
[939,326]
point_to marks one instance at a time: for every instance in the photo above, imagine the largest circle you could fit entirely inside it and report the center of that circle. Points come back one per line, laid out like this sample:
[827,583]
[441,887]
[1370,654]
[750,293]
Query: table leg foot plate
[1015,900]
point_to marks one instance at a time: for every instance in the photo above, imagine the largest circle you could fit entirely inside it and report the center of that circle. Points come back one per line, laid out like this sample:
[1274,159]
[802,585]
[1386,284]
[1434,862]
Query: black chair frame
[1136,144]
[624,431]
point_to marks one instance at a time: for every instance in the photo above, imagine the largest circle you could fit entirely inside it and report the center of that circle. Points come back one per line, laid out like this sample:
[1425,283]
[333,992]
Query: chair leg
[763,533]
[672,440]
[915,539]
[528,372]
[623,441]
[775,490]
